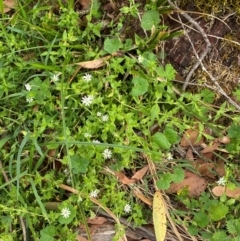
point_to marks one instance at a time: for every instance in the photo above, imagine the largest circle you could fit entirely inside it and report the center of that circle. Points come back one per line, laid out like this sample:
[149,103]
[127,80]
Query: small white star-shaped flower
[29,100]
[87,78]
[55,77]
[94,193]
[65,212]
[28,87]
[221,181]
[127,208]
[107,153]
[105,118]
[99,114]
[87,100]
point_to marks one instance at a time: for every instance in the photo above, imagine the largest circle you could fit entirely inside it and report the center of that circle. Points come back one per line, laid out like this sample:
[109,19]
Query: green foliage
[149,19]
[64,123]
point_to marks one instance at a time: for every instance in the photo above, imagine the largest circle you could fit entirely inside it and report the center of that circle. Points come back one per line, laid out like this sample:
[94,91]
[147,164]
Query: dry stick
[201,57]
[205,38]
[217,86]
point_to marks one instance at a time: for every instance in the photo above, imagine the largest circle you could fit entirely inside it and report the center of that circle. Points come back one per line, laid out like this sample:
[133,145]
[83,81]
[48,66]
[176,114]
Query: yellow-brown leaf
[159,216]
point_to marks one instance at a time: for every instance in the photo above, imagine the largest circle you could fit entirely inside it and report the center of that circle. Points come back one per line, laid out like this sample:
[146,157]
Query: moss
[215,7]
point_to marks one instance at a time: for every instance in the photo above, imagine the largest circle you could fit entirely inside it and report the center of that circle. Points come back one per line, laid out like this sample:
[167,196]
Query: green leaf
[234,131]
[233,226]
[161,140]
[140,86]
[149,19]
[164,182]
[207,95]
[218,212]
[201,219]
[178,175]
[47,234]
[237,94]
[169,72]
[155,112]
[219,236]
[79,164]
[171,135]
[112,45]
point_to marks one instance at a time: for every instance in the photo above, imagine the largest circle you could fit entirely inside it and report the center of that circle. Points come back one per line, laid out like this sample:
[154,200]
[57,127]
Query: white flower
[65,212]
[105,118]
[29,100]
[107,153]
[66,172]
[28,87]
[55,77]
[127,208]
[69,181]
[140,59]
[169,156]
[86,135]
[94,193]
[99,114]
[96,141]
[87,78]
[87,100]
[221,181]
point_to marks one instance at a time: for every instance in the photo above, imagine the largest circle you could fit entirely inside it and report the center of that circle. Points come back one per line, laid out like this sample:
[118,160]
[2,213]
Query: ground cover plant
[94,124]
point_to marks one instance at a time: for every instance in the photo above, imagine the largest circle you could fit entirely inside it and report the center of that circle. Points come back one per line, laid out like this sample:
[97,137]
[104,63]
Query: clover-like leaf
[140,86]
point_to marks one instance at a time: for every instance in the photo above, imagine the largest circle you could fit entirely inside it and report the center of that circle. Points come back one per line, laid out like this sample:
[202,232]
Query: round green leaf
[149,19]
[161,140]
[171,135]
[112,45]
[140,86]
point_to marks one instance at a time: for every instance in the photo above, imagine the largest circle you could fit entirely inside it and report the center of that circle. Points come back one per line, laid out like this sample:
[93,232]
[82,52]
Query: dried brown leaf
[81,238]
[211,148]
[189,155]
[196,185]
[141,196]
[8,5]
[97,220]
[206,170]
[94,64]
[140,174]
[123,179]
[219,191]
[190,137]
[85,3]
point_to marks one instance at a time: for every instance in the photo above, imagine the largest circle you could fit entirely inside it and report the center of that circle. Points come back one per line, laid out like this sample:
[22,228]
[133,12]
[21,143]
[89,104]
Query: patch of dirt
[222,61]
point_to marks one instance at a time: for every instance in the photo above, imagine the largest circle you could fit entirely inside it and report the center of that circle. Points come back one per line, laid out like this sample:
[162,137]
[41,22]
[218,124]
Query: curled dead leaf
[141,196]
[210,148]
[190,138]
[196,185]
[8,5]
[94,64]
[140,174]
[97,220]
[219,191]
[123,179]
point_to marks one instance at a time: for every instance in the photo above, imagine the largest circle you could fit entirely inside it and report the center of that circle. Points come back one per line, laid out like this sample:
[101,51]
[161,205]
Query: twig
[200,59]
[205,38]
